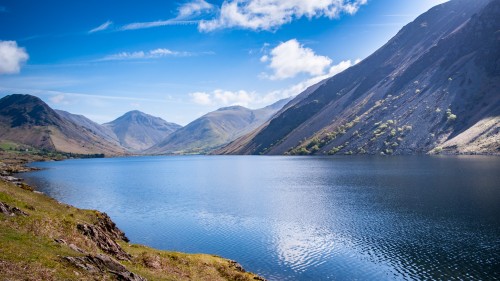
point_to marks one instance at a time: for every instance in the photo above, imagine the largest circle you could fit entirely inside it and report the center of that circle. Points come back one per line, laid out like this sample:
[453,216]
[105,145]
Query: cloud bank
[11,57]
[224,98]
[271,14]
[252,14]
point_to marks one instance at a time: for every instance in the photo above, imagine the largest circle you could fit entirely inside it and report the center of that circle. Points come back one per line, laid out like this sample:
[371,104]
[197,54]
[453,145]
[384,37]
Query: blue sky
[181,59]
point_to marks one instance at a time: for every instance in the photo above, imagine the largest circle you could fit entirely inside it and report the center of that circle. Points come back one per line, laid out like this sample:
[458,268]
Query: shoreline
[56,241]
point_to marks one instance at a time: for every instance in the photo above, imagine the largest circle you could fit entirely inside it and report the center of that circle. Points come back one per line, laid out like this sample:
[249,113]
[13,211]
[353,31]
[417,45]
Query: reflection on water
[302,218]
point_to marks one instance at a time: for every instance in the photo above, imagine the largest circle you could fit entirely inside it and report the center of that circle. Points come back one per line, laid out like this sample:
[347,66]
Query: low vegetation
[42,239]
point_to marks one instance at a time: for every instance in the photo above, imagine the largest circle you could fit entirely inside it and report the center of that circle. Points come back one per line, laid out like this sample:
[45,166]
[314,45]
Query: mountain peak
[27,110]
[26,119]
[137,130]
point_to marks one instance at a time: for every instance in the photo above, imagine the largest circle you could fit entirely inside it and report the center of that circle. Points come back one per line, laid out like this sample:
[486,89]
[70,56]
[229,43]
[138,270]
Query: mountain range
[433,88]
[27,120]
[215,129]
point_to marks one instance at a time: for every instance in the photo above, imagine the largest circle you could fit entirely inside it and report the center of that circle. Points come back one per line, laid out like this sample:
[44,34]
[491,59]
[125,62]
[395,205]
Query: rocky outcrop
[11,211]
[108,226]
[104,240]
[99,264]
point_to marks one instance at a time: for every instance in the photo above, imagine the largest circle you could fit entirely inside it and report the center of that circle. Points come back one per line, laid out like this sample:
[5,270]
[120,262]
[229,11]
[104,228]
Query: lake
[301,218]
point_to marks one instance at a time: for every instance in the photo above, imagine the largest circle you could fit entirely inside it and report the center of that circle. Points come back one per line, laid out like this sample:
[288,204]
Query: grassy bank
[42,239]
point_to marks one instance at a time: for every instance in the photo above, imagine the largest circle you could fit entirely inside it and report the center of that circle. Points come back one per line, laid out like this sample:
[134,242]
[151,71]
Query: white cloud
[101,27]
[194,8]
[143,25]
[152,54]
[219,98]
[201,98]
[241,97]
[291,58]
[223,98]
[271,14]
[58,99]
[11,57]
[298,88]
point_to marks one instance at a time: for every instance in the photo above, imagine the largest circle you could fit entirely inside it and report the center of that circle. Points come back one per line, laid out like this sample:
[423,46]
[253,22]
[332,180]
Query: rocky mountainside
[215,129]
[433,88]
[98,129]
[137,131]
[26,119]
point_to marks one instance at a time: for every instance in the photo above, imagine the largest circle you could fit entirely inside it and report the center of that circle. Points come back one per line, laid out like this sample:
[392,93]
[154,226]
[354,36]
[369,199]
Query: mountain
[138,131]
[26,119]
[215,129]
[98,129]
[433,88]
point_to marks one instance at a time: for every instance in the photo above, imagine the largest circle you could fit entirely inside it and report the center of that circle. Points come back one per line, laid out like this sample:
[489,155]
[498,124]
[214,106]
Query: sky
[181,59]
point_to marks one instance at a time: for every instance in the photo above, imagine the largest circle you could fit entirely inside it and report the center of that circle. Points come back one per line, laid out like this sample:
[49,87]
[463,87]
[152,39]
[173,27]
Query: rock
[11,211]
[71,245]
[104,264]
[104,240]
[108,226]
[237,266]
[11,179]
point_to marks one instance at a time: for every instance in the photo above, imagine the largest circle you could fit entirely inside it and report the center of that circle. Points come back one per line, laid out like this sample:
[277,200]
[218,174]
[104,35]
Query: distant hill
[433,88]
[26,119]
[137,131]
[215,129]
[98,129]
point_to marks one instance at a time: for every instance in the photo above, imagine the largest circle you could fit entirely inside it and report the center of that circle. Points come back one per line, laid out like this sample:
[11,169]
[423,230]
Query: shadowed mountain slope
[432,88]
[83,121]
[26,119]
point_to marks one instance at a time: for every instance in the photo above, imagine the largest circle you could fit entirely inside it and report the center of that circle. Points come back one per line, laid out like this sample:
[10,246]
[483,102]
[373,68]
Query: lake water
[302,218]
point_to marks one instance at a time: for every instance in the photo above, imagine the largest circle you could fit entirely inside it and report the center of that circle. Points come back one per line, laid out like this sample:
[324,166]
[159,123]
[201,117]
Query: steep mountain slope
[28,120]
[215,129]
[137,131]
[433,87]
[96,128]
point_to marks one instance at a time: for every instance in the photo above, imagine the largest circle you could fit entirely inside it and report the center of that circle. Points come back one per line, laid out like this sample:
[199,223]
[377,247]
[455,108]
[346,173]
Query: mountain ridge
[215,129]
[416,81]
[28,120]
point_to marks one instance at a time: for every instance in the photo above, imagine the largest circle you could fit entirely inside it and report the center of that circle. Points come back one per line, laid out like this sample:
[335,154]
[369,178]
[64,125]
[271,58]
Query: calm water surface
[302,218]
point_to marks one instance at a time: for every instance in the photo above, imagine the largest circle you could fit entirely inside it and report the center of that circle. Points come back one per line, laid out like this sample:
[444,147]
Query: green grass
[29,251]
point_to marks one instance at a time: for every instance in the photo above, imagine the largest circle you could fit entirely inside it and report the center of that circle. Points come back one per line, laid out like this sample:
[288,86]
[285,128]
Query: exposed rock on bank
[103,263]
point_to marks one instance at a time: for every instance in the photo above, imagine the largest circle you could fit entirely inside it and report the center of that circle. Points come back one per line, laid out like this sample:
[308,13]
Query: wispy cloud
[59,96]
[143,25]
[194,8]
[185,15]
[11,57]
[101,27]
[152,54]
[3,9]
